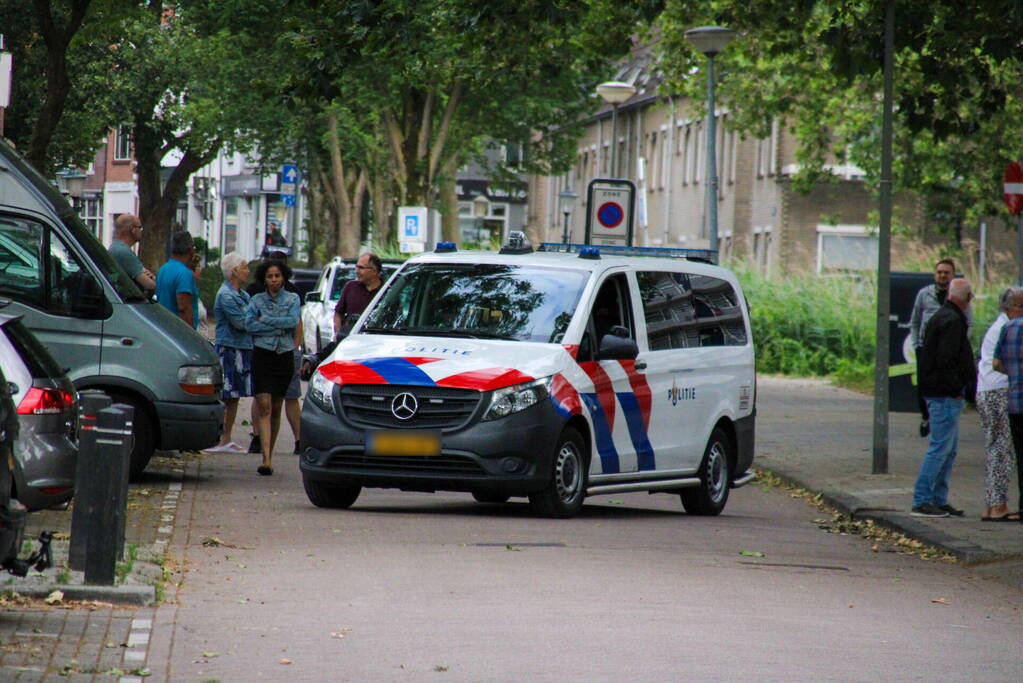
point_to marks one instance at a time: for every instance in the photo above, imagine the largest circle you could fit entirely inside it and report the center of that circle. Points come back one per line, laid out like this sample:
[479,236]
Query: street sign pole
[1012,195]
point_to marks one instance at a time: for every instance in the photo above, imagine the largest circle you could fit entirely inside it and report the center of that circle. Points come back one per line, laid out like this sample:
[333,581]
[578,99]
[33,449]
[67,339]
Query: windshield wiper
[385,330]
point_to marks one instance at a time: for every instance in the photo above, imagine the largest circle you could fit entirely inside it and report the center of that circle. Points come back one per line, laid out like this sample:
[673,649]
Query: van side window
[21,275]
[610,309]
[687,311]
[37,268]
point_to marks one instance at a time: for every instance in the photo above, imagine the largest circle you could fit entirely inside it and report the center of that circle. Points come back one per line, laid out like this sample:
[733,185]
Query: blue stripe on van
[637,431]
[397,370]
[602,433]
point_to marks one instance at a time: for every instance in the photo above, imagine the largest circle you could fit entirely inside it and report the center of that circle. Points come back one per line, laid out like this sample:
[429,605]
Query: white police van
[556,374]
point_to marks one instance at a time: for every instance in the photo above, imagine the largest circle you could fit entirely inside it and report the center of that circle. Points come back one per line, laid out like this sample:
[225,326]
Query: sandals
[266,471]
[1007,517]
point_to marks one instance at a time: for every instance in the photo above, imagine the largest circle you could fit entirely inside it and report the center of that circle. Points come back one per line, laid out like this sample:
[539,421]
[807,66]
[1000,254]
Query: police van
[560,373]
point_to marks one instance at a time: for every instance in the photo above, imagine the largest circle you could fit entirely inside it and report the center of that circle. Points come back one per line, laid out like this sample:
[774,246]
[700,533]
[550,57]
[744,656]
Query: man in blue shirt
[176,288]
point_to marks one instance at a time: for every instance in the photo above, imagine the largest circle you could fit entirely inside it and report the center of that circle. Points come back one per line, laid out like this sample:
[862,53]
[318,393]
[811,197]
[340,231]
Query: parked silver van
[97,324]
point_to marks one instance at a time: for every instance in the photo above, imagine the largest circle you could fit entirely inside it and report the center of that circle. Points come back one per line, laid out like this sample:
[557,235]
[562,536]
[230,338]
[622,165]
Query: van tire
[710,496]
[330,496]
[565,491]
[143,435]
[494,498]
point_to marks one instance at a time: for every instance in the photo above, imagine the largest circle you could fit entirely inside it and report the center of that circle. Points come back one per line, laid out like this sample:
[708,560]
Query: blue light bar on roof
[608,250]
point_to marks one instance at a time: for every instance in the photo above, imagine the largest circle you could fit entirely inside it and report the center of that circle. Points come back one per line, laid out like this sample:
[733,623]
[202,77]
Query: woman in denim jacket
[271,317]
[233,344]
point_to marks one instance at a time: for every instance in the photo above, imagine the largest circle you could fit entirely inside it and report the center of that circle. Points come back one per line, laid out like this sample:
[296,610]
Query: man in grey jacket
[928,301]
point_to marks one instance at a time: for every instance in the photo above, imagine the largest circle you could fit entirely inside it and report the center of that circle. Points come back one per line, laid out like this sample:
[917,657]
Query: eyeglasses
[365,268]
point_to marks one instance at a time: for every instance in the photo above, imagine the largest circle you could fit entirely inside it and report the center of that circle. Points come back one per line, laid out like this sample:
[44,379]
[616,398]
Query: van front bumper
[510,456]
[189,426]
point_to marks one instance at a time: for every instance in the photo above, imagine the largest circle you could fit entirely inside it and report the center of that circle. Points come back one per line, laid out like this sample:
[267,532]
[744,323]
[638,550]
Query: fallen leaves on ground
[285,661]
[752,553]
[940,601]
[54,597]
[214,542]
[341,634]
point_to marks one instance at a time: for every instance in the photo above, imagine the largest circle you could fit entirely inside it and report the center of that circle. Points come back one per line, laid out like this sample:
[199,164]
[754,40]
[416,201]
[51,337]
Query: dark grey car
[45,400]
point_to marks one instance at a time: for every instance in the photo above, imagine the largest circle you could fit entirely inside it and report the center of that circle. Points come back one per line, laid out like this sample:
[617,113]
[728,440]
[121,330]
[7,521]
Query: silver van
[97,324]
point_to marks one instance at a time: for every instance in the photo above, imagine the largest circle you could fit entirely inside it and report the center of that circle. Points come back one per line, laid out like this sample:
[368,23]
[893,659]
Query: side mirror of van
[313,297]
[614,347]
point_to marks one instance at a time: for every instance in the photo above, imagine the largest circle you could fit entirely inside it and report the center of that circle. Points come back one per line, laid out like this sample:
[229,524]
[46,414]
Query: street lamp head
[710,40]
[615,92]
[480,206]
[566,200]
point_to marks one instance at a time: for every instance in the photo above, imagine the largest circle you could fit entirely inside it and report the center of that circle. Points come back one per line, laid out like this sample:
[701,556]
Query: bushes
[810,326]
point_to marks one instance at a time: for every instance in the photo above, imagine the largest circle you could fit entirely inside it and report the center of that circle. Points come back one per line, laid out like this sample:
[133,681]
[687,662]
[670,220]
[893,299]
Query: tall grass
[805,325]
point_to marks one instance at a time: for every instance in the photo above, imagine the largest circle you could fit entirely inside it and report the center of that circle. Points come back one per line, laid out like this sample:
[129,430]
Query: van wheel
[566,487]
[330,496]
[710,496]
[495,498]
[143,435]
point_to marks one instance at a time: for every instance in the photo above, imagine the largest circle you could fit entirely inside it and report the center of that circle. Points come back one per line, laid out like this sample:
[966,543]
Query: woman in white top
[992,404]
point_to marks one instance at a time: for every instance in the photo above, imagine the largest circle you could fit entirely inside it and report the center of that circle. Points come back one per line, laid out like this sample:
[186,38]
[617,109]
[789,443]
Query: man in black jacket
[946,375]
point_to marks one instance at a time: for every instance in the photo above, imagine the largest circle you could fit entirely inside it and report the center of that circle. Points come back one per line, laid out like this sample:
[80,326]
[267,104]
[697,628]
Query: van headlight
[201,379]
[321,392]
[513,399]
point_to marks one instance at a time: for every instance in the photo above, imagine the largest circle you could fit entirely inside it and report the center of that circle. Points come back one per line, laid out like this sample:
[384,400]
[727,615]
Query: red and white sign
[1012,188]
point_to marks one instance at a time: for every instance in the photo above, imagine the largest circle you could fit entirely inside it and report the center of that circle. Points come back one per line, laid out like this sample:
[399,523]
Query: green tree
[816,64]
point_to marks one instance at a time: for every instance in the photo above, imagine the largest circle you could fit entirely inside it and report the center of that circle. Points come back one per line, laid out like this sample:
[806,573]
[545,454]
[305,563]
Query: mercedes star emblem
[404,406]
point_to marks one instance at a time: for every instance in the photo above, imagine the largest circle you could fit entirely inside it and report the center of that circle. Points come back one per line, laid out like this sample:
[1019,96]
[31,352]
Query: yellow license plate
[403,443]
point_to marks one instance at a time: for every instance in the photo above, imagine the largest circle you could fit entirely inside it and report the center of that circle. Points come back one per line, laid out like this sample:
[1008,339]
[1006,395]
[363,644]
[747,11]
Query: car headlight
[321,392]
[201,379]
[513,399]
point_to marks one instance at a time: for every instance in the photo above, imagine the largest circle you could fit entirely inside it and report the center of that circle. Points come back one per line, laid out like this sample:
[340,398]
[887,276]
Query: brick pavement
[91,640]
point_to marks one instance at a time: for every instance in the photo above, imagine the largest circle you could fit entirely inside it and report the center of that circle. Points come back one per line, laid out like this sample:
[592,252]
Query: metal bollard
[112,442]
[87,499]
[121,501]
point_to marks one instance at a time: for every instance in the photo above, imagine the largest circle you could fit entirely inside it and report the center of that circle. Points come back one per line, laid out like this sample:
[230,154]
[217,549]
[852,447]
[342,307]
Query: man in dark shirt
[359,292]
[946,373]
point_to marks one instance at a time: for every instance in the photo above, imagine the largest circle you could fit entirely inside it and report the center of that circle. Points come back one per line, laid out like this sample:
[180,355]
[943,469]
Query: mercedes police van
[556,374]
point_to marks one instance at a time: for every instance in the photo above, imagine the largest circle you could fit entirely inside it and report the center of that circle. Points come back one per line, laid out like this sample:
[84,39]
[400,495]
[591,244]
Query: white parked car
[318,308]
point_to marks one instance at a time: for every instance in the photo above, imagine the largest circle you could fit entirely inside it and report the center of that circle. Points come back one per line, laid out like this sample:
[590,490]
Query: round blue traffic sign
[610,214]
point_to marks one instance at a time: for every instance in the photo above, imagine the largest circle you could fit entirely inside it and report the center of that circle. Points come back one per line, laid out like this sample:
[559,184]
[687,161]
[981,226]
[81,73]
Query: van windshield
[480,301]
[121,282]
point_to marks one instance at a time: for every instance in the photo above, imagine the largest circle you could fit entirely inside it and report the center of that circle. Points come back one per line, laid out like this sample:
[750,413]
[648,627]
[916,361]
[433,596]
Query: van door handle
[641,365]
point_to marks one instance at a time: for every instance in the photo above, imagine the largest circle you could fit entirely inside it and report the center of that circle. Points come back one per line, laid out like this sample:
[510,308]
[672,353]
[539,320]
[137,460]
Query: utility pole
[5,82]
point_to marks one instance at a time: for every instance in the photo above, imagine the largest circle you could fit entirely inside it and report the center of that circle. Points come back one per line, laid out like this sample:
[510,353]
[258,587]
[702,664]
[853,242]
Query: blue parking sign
[411,226]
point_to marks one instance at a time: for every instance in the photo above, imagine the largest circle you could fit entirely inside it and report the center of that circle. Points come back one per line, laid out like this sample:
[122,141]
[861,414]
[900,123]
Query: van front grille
[437,407]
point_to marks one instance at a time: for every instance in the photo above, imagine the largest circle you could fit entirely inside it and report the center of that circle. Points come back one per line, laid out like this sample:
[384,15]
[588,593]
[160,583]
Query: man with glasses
[128,233]
[359,292]
[947,374]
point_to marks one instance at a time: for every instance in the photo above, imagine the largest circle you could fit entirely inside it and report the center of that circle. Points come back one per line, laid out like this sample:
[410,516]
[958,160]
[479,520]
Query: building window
[90,210]
[845,249]
[122,147]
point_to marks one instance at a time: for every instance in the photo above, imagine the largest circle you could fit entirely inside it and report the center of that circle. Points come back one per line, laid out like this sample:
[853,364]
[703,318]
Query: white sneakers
[229,447]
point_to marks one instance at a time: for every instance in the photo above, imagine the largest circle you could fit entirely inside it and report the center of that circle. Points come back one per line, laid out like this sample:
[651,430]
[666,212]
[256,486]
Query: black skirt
[272,372]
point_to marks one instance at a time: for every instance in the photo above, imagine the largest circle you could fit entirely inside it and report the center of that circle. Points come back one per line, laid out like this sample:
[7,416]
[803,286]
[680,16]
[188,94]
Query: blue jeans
[936,468]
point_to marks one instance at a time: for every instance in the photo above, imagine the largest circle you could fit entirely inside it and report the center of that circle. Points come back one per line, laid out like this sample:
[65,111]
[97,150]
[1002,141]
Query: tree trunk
[449,204]
[158,205]
[58,84]
[383,212]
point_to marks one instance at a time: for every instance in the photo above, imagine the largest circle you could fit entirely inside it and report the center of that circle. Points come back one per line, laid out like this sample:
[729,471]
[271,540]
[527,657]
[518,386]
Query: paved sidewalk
[93,633]
[821,438]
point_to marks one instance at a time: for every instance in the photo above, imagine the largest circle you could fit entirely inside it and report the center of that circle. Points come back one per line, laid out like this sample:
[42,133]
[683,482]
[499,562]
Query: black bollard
[111,443]
[87,498]
[121,501]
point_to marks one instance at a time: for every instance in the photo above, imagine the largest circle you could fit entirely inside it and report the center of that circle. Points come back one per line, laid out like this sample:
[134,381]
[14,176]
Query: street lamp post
[711,40]
[614,93]
[566,200]
[480,209]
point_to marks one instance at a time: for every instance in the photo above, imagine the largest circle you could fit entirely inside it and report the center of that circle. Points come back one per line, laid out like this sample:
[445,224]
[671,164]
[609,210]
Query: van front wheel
[710,496]
[328,496]
[566,485]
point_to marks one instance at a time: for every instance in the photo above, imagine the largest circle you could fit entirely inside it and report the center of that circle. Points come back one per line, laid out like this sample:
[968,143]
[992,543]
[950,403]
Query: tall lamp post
[614,93]
[566,200]
[711,40]
[480,209]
